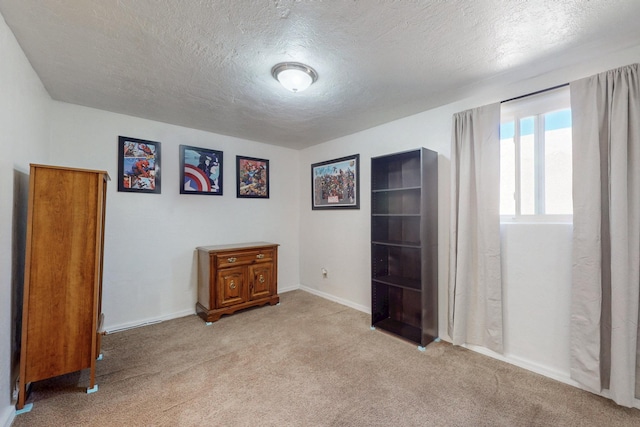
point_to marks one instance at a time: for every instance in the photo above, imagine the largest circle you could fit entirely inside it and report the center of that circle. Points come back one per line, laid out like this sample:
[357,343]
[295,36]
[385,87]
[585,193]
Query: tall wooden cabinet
[61,317]
[234,277]
[404,244]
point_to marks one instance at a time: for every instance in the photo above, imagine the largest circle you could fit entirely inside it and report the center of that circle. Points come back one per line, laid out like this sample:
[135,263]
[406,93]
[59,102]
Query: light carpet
[305,362]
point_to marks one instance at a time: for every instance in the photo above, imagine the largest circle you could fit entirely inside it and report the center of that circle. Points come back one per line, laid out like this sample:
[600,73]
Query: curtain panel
[606,235]
[475,282]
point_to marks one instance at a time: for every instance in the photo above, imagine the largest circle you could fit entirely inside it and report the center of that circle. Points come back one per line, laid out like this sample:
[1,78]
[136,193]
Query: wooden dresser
[234,277]
[63,274]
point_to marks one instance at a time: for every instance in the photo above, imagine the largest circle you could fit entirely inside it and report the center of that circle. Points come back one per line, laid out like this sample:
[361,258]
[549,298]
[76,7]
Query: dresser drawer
[234,277]
[229,259]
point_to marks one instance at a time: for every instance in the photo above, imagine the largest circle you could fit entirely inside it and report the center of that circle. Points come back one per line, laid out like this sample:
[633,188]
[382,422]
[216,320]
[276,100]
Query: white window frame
[535,106]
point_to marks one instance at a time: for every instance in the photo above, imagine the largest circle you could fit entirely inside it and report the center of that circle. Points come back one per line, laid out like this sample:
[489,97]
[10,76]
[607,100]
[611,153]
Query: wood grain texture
[235,277]
[63,273]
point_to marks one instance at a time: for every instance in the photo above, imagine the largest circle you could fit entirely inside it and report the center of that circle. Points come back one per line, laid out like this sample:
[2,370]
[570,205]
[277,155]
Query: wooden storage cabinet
[61,318]
[404,229]
[234,277]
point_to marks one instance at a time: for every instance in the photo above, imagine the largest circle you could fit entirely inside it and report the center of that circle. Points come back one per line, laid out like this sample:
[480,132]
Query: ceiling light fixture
[294,76]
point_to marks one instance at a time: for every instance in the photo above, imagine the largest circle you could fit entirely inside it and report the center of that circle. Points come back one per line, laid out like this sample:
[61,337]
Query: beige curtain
[606,236]
[475,283]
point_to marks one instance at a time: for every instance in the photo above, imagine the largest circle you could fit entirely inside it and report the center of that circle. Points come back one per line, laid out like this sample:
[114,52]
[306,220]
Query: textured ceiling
[206,64]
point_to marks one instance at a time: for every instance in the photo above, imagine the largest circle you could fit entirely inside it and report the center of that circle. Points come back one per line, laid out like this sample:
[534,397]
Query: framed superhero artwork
[138,165]
[252,178]
[335,184]
[200,171]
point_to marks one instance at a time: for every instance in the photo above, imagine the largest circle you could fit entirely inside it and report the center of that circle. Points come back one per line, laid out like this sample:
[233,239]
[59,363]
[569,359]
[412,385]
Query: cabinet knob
[232,259]
[261,278]
[232,285]
[260,256]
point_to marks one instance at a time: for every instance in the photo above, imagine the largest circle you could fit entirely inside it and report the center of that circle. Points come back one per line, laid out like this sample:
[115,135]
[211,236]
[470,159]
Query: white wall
[23,137]
[150,240]
[149,263]
[339,240]
[537,295]
[537,258]
[149,257]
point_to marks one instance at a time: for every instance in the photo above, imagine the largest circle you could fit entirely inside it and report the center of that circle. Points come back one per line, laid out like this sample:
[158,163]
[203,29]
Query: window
[535,157]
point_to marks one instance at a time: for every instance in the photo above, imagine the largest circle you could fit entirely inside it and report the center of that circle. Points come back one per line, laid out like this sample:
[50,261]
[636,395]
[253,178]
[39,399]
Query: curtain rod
[535,93]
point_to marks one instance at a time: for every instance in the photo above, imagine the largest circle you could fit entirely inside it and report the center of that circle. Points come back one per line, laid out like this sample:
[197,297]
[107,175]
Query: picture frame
[138,165]
[335,184]
[252,178]
[201,171]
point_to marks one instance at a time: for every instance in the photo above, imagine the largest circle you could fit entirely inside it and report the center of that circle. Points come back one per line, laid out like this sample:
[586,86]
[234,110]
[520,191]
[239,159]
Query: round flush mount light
[294,76]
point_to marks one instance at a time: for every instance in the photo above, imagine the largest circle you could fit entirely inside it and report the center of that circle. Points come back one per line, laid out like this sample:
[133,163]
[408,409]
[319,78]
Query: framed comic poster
[335,184]
[138,165]
[200,171]
[252,177]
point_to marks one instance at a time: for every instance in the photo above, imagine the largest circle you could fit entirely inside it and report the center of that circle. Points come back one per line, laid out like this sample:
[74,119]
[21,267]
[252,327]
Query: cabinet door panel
[231,286]
[261,280]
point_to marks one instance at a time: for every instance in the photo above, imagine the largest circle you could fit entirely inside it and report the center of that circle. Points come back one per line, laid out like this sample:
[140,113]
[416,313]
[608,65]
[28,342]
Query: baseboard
[336,299]
[545,371]
[149,321]
[7,416]
[288,289]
